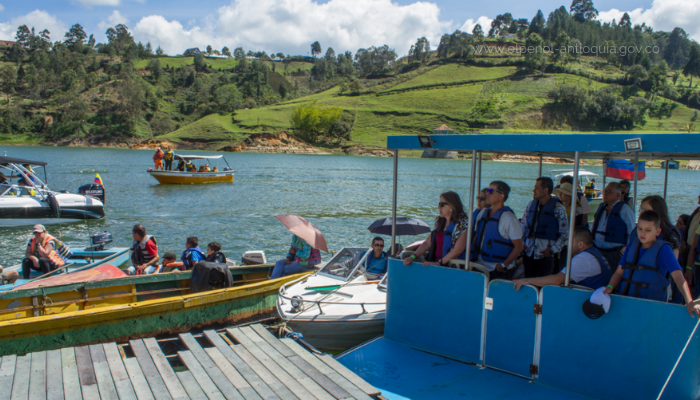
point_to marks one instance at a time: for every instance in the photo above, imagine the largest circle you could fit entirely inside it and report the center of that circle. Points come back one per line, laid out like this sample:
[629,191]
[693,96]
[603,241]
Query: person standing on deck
[498,239]
[613,224]
[169,157]
[158,159]
[589,190]
[545,229]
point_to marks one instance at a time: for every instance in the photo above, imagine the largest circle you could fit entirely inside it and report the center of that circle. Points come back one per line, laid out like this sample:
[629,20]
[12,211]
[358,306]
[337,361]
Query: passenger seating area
[541,335]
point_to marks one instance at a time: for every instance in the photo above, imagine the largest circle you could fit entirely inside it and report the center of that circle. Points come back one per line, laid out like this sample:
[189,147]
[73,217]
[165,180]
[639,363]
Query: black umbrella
[404,226]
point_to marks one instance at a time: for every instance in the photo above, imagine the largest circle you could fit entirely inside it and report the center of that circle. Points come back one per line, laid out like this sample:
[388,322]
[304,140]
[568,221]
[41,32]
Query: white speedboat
[337,307]
[583,178]
[26,200]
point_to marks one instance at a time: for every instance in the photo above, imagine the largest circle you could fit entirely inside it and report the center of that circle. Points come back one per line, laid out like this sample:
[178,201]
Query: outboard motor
[99,240]
[94,190]
[53,203]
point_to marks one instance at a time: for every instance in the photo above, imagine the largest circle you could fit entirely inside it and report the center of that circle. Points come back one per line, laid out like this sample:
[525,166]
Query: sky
[290,26]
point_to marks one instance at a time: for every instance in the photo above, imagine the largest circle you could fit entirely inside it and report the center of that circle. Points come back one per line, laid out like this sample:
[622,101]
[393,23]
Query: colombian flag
[98,179]
[624,169]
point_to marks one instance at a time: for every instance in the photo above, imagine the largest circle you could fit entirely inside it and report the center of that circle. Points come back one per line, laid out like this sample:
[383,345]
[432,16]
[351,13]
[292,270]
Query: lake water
[341,195]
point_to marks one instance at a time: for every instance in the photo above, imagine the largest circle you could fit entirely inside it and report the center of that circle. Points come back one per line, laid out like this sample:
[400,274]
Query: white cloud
[484,21]
[291,26]
[2,7]
[663,15]
[38,19]
[90,3]
[114,19]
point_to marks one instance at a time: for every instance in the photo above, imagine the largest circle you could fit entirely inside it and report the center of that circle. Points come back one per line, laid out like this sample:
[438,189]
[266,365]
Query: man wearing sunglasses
[498,239]
[375,265]
[613,224]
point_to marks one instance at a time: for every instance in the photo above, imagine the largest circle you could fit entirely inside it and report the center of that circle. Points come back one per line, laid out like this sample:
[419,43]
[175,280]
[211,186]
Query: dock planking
[259,367]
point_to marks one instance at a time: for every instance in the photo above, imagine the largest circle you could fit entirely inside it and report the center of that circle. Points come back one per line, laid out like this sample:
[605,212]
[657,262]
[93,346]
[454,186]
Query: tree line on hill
[96,89]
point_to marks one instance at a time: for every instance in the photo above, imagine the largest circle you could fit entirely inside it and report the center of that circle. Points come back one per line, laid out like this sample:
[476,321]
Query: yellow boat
[121,309]
[184,177]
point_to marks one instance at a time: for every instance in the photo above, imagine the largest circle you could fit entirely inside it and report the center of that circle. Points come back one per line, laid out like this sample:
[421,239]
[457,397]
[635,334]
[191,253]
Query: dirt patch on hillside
[269,143]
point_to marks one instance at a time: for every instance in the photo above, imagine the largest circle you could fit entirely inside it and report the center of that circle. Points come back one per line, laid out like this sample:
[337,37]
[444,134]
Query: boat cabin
[471,337]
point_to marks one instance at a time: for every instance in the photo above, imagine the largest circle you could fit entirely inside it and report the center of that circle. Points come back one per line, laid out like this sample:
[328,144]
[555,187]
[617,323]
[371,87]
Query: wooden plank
[245,370]
[278,387]
[296,387]
[325,369]
[102,373]
[314,381]
[37,376]
[218,377]
[191,386]
[71,380]
[349,375]
[7,373]
[166,371]
[54,375]
[233,376]
[20,385]
[155,382]
[86,373]
[200,376]
[116,367]
[138,380]
[272,340]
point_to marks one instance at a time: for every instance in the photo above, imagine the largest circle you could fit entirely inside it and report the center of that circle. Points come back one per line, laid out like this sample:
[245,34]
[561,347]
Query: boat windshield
[340,266]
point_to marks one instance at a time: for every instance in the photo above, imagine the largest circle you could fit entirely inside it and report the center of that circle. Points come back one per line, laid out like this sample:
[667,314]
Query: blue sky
[290,25]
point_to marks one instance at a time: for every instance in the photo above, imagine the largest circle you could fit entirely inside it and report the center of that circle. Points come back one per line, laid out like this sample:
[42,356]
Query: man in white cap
[37,254]
[588,266]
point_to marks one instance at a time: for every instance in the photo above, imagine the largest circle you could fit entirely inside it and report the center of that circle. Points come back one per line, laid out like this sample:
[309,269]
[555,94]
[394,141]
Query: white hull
[339,333]
[12,222]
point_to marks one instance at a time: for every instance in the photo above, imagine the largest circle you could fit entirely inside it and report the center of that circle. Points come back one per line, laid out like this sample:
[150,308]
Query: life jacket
[139,254]
[215,169]
[181,166]
[217,257]
[190,167]
[158,155]
[616,228]
[169,156]
[58,254]
[547,223]
[633,235]
[201,168]
[488,241]
[446,243]
[377,267]
[589,190]
[641,277]
[603,278]
[187,260]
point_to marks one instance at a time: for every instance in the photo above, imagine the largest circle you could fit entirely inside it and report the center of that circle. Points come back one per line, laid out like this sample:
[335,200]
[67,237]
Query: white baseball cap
[597,305]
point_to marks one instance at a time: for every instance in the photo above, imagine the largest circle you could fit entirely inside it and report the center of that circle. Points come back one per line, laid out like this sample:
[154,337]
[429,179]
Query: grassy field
[515,101]
[178,62]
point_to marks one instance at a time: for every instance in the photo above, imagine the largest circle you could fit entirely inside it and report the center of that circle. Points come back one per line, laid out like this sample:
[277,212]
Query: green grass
[213,127]
[178,62]
[456,73]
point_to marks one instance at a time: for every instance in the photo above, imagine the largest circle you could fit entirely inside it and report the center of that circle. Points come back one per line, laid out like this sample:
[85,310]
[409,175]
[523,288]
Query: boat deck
[406,373]
[239,363]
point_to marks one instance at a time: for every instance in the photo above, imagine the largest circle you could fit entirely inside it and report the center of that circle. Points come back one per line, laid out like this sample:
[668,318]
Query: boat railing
[282,294]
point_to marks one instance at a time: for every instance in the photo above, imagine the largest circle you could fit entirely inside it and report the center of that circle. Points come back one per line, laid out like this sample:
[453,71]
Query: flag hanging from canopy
[624,169]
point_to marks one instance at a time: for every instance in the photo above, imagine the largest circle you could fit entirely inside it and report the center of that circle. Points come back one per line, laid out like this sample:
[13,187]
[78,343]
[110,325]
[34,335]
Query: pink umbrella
[304,229]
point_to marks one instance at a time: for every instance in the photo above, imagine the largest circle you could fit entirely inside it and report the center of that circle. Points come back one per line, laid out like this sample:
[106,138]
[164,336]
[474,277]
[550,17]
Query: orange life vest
[53,256]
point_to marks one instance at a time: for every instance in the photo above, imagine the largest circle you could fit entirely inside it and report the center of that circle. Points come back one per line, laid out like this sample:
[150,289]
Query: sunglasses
[608,191]
[379,245]
[490,191]
[442,204]
[481,198]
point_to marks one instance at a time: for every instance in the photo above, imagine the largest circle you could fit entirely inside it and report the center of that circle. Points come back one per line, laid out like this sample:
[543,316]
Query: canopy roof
[684,146]
[212,157]
[571,173]
[11,160]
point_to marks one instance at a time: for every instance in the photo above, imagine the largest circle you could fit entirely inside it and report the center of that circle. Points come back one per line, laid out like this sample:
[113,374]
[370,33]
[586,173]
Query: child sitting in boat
[170,263]
[214,253]
[193,254]
[646,264]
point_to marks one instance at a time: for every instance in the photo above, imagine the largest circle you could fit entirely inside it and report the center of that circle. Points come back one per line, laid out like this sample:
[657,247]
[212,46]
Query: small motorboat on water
[26,200]
[185,177]
[584,177]
[337,307]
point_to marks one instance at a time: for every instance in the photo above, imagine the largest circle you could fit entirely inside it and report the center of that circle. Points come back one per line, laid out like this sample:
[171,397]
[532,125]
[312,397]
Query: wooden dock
[238,364]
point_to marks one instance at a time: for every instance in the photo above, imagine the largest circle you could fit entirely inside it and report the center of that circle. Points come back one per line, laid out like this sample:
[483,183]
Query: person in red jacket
[158,159]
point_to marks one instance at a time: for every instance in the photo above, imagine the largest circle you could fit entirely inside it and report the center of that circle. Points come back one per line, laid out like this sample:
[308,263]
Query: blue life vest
[616,228]
[379,265]
[641,277]
[633,235]
[189,257]
[488,241]
[446,243]
[603,278]
[547,223]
